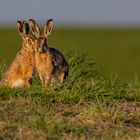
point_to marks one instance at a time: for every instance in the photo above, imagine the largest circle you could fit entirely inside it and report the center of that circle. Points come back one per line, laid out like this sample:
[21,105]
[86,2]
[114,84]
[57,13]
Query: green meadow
[100,100]
[116,50]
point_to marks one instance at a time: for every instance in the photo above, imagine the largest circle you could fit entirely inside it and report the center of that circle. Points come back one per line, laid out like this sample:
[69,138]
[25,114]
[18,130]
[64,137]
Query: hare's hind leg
[28,82]
[61,77]
[18,83]
[21,83]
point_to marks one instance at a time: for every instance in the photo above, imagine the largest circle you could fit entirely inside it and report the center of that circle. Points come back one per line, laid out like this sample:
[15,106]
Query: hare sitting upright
[22,68]
[50,63]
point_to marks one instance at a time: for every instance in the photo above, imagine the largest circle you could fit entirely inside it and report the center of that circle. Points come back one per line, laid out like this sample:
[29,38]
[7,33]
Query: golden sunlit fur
[22,68]
[44,67]
[49,62]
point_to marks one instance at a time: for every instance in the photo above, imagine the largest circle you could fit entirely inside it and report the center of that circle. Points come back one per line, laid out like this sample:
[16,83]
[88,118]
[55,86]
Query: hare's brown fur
[44,66]
[22,68]
[50,63]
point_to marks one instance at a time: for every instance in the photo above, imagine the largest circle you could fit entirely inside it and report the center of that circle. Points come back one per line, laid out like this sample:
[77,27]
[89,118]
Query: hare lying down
[22,68]
[50,63]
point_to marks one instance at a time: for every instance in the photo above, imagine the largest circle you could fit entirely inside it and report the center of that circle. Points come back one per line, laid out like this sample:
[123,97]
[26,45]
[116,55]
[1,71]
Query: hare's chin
[41,50]
[18,83]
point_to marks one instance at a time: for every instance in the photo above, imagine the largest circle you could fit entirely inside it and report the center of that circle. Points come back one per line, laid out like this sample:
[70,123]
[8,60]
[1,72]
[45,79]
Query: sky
[72,12]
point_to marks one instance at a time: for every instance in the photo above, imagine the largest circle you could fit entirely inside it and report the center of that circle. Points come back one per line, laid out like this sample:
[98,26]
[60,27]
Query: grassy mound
[89,106]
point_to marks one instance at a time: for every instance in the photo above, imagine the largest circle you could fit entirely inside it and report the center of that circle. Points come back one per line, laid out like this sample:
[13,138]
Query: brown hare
[50,63]
[22,68]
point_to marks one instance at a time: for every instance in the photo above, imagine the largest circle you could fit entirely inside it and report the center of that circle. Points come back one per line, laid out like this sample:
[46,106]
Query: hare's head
[41,39]
[28,40]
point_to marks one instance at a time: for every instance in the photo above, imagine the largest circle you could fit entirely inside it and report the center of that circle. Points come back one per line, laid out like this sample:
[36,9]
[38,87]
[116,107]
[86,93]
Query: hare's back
[57,57]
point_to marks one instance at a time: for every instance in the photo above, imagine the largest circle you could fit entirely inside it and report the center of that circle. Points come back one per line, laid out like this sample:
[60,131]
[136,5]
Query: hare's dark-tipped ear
[25,27]
[34,28]
[48,28]
[20,27]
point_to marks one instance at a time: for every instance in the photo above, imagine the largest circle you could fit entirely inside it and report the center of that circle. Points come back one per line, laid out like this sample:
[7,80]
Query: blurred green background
[116,50]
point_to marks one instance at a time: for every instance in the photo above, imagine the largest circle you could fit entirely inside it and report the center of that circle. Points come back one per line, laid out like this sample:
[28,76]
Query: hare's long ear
[35,28]
[20,28]
[25,27]
[48,28]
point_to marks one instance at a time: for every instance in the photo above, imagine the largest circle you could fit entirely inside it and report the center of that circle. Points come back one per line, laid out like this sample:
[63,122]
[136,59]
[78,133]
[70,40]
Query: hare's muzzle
[41,50]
